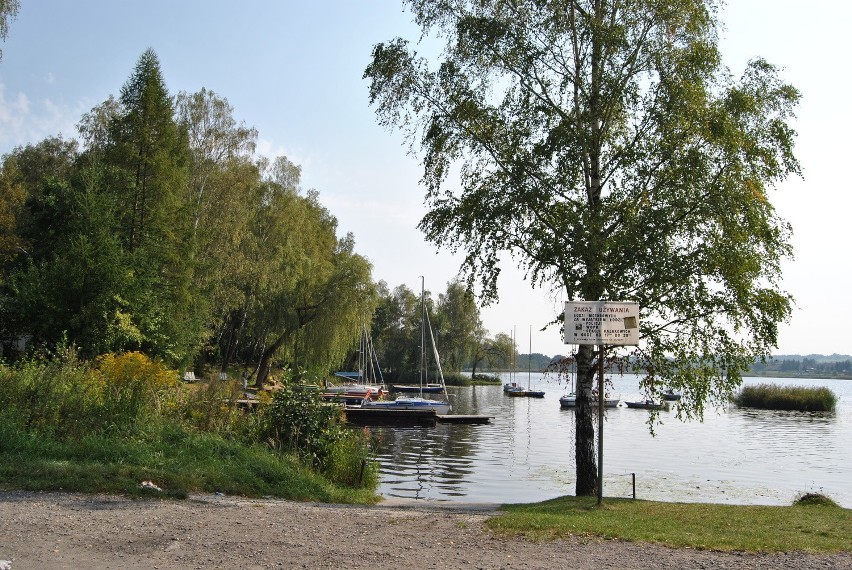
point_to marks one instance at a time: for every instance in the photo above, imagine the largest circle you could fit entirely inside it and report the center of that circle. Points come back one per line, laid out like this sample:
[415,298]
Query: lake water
[526,453]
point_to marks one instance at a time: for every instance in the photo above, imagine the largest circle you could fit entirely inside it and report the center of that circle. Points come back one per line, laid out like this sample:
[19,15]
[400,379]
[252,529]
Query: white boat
[512,387]
[440,407]
[440,404]
[351,393]
[570,401]
[427,389]
[365,384]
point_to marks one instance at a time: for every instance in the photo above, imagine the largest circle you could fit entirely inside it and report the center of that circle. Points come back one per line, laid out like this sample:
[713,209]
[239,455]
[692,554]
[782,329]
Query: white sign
[601,322]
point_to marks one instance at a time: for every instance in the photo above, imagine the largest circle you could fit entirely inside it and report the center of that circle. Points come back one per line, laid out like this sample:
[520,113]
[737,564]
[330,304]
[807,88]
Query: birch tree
[607,148]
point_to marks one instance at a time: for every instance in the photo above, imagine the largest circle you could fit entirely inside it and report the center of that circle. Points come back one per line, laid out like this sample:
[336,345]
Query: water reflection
[526,453]
[421,462]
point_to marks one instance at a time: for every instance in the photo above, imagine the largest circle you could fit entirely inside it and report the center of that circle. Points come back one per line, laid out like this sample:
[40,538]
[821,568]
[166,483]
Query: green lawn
[803,527]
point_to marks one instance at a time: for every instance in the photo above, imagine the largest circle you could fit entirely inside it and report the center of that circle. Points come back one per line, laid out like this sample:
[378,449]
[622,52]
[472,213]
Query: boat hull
[402,403]
[571,402]
[361,415]
[516,390]
[646,405]
[407,388]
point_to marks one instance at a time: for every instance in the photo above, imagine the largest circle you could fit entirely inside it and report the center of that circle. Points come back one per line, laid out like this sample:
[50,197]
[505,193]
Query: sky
[294,71]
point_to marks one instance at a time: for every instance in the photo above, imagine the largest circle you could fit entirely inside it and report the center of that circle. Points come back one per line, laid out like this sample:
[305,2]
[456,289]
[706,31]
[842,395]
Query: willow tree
[607,148]
[305,292]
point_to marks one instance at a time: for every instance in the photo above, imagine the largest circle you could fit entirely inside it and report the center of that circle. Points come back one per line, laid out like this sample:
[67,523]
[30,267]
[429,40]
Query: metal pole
[634,485]
[600,422]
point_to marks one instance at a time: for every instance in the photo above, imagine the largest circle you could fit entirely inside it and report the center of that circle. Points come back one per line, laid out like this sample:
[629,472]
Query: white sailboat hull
[410,403]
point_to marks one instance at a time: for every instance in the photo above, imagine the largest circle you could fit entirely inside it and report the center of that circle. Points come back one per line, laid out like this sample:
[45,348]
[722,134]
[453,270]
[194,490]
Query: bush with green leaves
[298,420]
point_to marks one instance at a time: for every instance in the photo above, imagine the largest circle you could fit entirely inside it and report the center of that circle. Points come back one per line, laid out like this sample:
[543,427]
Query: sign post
[601,323]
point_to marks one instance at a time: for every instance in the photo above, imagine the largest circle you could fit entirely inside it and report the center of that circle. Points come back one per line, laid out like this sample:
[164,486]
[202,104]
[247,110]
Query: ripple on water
[527,453]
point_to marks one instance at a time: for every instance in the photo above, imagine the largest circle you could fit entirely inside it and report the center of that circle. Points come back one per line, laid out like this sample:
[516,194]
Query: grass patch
[809,527]
[200,463]
[798,398]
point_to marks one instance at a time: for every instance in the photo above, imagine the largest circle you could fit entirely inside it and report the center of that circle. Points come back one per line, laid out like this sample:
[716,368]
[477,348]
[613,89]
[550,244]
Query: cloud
[24,122]
[273,150]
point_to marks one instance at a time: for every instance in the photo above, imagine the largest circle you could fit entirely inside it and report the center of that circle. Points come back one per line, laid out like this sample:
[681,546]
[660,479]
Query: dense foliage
[161,231]
[299,421]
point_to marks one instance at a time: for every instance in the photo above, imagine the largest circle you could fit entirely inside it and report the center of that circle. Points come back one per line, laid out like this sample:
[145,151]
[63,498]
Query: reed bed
[798,398]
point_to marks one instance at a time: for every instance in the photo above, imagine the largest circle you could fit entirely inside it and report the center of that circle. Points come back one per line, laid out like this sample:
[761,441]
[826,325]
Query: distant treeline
[535,362]
[817,365]
[812,365]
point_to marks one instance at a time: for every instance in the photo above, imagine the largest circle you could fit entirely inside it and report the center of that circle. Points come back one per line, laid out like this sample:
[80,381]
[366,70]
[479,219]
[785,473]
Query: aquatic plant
[775,397]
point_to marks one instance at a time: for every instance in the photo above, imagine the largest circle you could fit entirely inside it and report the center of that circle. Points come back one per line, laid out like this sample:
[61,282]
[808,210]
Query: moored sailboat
[440,406]
[516,389]
[365,384]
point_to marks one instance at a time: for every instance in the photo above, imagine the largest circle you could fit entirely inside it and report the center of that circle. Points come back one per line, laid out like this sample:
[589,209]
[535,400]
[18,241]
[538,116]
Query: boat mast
[362,367]
[422,332]
[436,356]
[529,362]
[514,351]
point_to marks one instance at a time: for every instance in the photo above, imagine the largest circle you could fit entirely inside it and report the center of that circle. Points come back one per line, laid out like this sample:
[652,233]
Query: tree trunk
[265,363]
[584,451]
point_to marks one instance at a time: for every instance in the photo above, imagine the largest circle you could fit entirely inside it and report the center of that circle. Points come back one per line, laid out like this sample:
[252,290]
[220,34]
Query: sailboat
[419,402]
[367,383]
[527,392]
[569,400]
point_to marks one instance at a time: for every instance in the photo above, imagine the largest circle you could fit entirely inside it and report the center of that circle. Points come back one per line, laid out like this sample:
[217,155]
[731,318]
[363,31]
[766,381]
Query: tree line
[161,230]
[804,366]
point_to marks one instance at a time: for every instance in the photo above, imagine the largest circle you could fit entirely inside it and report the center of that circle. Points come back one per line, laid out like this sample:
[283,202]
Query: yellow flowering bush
[131,380]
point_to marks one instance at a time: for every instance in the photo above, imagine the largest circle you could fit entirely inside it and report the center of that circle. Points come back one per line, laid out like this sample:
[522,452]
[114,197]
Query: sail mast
[529,362]
[422,331]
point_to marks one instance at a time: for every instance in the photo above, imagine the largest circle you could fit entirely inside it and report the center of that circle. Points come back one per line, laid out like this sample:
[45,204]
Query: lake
[526,453]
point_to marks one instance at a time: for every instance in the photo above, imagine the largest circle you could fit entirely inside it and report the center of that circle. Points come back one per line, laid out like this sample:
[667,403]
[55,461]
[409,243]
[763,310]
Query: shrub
[135,387]
[59,397]
[774,397]
[67,398]
[299,421]
[209,407]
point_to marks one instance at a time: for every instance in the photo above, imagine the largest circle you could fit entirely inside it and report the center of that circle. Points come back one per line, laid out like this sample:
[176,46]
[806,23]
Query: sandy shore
[62,530]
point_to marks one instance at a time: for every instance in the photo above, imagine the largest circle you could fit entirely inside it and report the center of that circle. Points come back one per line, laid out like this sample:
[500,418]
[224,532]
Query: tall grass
[110,424]
[775,397]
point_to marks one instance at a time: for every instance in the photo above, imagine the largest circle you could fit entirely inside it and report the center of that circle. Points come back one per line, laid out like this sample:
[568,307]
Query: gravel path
[61,530]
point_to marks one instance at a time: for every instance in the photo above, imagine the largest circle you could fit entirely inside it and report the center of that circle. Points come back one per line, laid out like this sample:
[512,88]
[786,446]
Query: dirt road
[68,531]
